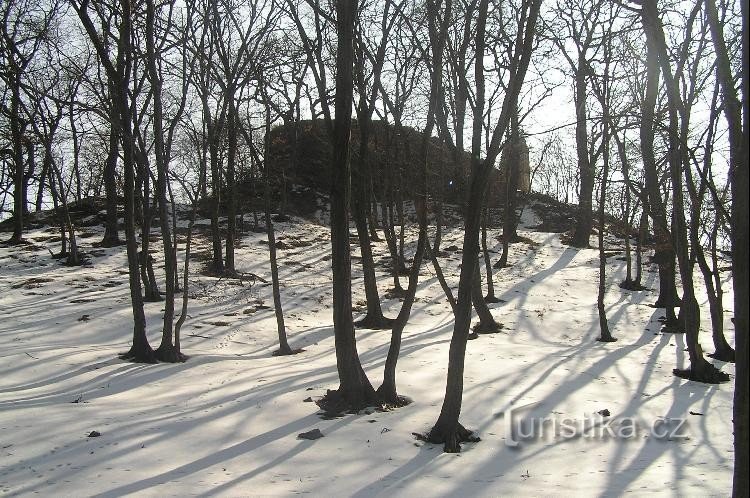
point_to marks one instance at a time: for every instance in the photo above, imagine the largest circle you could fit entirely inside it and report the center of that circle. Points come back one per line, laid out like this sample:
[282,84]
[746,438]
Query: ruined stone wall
[388,151]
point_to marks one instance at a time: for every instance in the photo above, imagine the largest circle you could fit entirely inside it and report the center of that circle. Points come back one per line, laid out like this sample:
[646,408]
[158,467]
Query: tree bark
[604,333]
[119,75]
[511,187]
[355,390]
[447,429]
[166,351]
[700,369]
[663,251]
[584,217]
[736,113]
[374,318]
[111,229]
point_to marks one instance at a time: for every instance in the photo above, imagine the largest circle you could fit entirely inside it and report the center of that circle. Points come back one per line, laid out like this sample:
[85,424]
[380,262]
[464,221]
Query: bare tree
[23,30]
[118,72]
[355,389]
[603,91]
[447,429]
[438,29]
[168,350]
[361,174]
[736,114]
[700,369]
[263,96]
[579,22]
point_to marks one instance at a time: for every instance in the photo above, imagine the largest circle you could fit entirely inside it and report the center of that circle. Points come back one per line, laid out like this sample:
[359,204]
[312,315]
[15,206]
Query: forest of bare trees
[143,105]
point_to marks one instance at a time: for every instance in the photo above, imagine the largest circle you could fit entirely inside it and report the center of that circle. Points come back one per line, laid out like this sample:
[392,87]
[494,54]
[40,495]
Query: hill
[78,421]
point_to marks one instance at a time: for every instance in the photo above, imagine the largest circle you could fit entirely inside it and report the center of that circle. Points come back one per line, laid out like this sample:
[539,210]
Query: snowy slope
[226,422]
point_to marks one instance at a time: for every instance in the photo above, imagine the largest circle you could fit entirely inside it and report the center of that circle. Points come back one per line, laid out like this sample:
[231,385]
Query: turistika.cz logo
[520,427]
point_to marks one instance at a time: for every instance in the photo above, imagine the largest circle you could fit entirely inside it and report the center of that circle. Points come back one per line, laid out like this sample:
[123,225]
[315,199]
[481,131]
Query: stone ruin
[389,150]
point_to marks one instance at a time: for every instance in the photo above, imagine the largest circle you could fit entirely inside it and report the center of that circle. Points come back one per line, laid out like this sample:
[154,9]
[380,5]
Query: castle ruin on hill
[393,161]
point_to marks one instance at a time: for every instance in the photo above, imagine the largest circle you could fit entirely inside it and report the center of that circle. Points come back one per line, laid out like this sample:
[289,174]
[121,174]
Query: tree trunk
[60,216]
[511,190]
[722,350]
[490,297]
[19,202]
[584,217]
[355,390]
[439,194]
[487,323]
[151,288]
[213,150]
[739,144]
[663,251]
[72,256]
[447,429]
[167,351]
[231,187]
[387,390]
[76,152]
[700,369]
[374,318]
[604,333]
[185,281]
[284,348]
[628,283]
[640,243]
[390,238]
[441,278]
[402,228]
[111,230]
[42,178]
[141,350]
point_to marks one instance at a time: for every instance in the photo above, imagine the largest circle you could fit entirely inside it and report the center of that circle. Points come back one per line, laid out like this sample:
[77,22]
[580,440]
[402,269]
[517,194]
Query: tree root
[631,285]
[375,322]
[287,352]
[109,242]
[493,300]
[167,353]
[450,438]
[606,339]
[706,373]
[390,399]
[337,403]
[671,326]
[140,355]
[487,328]
[727,355]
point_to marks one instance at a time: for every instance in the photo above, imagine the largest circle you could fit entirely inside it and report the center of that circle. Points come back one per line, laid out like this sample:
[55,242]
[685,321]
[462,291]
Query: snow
[226,422]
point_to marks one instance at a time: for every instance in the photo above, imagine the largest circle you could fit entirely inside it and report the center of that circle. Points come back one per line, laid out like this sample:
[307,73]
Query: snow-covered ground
[226,422]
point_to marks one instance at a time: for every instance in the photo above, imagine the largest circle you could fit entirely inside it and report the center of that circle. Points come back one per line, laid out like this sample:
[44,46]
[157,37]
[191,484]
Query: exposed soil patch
[557,217]
[32,283]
